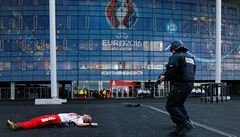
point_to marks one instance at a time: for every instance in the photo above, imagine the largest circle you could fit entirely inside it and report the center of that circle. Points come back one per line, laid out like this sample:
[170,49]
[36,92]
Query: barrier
[215,92]
[50,101]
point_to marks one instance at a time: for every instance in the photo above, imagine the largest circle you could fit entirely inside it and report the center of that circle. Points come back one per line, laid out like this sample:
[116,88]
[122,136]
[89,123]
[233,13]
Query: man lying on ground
[62,119]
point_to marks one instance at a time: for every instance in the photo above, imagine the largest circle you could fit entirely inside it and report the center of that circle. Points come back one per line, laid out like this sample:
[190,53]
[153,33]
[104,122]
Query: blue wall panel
[101,41]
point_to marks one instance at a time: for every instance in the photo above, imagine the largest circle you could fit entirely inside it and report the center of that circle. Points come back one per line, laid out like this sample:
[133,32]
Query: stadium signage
[121,14]
[121,44]
[121,73]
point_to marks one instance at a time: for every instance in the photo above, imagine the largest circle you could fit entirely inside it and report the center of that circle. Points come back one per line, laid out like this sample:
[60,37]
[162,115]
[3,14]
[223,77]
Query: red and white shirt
[71,118]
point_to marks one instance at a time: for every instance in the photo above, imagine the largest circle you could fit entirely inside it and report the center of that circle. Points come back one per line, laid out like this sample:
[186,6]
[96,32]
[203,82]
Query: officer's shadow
[176,135]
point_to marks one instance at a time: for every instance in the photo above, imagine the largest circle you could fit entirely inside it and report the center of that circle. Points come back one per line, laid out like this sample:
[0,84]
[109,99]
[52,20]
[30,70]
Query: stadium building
[116,45]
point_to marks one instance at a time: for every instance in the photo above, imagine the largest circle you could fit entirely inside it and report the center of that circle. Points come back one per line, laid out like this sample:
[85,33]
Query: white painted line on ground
[195,123]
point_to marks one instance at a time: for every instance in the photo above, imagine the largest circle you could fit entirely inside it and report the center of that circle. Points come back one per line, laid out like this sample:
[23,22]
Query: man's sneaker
[12,125]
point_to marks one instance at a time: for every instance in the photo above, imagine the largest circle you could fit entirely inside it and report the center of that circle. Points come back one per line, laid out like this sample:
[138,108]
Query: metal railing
[211,92]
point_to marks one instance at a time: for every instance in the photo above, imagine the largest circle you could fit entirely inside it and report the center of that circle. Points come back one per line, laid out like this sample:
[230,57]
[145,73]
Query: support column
[142,85]
[100,86]
[12,90]
[53,60]
[72,90]
[218,42]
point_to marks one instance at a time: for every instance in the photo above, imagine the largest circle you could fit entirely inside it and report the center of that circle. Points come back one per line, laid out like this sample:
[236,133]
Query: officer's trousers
[176,100]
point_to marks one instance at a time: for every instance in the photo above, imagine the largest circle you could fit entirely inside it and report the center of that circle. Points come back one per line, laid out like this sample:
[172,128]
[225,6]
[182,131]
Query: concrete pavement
[117,120]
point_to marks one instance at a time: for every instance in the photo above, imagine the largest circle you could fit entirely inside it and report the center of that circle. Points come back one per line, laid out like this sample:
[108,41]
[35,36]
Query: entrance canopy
[121,83]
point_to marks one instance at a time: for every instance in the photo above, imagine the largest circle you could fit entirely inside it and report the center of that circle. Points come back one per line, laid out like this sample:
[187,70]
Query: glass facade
[103,40]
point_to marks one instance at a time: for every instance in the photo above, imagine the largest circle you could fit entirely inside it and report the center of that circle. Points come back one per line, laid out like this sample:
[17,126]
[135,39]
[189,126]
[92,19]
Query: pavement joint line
[195,123]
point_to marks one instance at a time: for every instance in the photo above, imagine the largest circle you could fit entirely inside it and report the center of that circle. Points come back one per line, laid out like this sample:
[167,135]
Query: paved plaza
[115,119]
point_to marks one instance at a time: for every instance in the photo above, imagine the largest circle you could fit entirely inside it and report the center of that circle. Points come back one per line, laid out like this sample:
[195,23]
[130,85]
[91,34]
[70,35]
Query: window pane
[27,22]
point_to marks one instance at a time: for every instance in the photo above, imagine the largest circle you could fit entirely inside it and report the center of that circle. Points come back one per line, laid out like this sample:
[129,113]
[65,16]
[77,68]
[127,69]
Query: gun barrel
[163,72]
[158,81]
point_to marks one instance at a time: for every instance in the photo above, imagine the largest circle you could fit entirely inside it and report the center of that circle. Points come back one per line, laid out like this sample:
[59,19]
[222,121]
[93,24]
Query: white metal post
[53,60]
[12,90]
[218,42]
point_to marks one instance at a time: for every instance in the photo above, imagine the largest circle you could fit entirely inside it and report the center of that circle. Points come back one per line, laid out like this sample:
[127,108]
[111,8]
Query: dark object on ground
[133,105]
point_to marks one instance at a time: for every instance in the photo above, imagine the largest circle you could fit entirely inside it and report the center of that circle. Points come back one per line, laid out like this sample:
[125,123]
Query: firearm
[158,81]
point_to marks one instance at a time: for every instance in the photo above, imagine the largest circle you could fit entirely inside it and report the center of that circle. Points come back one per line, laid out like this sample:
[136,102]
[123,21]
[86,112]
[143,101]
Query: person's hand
[94,124]
[162,78]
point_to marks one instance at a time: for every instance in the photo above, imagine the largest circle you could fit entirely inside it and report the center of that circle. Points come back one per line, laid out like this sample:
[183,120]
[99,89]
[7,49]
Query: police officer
[180,72]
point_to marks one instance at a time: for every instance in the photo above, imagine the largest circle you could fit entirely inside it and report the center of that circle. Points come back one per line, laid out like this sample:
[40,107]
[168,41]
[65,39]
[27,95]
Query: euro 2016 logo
[121,14]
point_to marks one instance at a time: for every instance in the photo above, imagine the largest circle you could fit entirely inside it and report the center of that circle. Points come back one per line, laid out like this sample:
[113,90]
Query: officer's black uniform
[180,72]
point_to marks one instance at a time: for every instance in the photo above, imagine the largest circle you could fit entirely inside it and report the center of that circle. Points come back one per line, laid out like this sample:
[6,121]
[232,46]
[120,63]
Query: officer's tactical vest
[186,67]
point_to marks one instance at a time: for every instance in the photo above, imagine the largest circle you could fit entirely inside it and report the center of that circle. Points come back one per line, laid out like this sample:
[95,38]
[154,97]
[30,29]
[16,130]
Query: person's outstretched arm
[87,124]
